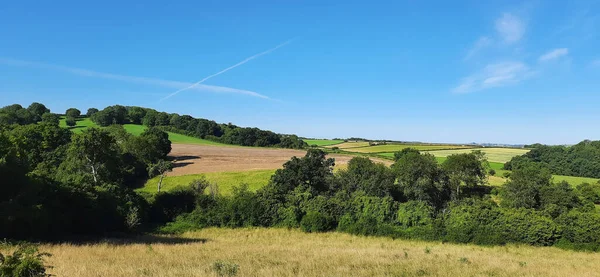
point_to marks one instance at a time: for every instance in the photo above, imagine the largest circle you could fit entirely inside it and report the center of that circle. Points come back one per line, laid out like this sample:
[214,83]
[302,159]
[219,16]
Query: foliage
[25,261]
[224,268]
[73,113]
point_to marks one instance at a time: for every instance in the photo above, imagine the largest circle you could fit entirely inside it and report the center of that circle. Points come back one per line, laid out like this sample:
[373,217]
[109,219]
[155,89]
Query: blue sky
[436,71]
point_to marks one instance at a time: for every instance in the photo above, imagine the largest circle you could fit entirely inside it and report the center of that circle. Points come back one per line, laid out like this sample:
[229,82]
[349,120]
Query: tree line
[415,198]
[195,127]
[582,159]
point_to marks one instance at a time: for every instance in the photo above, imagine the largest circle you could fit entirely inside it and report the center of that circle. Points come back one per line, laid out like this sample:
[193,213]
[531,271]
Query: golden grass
[282,252]
[399,147]
[500,155]
[349,144]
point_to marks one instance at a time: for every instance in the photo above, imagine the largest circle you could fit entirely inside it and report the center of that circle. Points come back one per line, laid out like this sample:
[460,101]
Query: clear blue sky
[437,71]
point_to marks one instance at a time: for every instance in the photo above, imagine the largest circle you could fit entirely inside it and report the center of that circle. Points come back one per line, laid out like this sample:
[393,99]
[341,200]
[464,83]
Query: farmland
[322,142]
[500,155]
[283,252]
[398,147]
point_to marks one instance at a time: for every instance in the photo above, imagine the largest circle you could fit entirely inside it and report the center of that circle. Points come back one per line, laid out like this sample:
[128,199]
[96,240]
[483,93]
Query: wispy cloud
[510,28]
[495,75]
[225,70]
[554,54]
[480,44]
[130,79]
[595,63]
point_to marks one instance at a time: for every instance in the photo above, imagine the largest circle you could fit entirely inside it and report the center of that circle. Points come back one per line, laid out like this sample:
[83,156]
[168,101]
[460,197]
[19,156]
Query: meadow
[255,179]
[136,130]
[322,142]
[290,252]
[500,155]
[350,144]
[390,148]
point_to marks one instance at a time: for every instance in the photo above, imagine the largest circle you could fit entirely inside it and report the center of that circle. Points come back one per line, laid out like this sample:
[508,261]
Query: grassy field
[136,130]
[283,252]
[500,155]
[398,147]
[225,180]
[322,142]
[351,144]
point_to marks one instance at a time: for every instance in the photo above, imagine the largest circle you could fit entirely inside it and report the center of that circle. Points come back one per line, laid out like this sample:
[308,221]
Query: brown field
[194,159]
[282,252]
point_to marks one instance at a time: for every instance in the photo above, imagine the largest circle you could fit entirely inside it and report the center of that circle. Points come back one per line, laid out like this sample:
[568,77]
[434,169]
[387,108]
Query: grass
[322,142]
[136,130]
[225,180]
[499,155]
[398,147]
[289,252]
[348,145]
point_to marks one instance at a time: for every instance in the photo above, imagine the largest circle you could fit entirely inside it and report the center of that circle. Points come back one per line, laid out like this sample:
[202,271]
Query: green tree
[160,168]
[51,118]
[73,112]
[37,110]
[136,114]
[467,169]
[91,111]
[70,121]
[523,189]
[419,177]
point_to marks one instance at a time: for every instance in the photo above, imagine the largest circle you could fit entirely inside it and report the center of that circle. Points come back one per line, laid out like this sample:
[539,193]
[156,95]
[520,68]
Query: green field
[387,148]
[136,130]
[225,180]
[322,142]
[351,144]
[499,155]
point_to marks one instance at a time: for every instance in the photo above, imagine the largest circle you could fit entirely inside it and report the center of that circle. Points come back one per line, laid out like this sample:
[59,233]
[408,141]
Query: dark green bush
[580,231]
[25,261]
[314,222]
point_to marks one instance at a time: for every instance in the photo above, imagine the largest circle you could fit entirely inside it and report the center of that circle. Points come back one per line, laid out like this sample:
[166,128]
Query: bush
[224,268]
[70,121]
[314,222]
[415,213]
[166,206]
[492,172]
[590,192]
[25,261]
[580,231]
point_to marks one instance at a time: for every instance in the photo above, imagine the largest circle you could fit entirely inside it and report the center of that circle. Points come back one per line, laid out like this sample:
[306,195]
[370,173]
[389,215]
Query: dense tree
[70,121]
[91,112]
[37,110]
[362,174]
[420,178]
[466,169]
[73,112]
[136,114]
[523,189]
[116,114]
[51,119]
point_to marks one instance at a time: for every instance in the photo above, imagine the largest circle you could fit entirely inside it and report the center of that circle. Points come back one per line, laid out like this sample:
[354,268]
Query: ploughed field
[283,252]
[194,159]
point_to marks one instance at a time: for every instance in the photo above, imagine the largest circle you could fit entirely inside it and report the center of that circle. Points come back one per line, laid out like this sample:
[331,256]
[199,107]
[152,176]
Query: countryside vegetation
[110,193]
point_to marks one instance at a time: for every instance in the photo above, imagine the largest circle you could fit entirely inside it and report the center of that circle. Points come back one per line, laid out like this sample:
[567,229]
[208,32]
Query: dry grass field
[500,155]
[282,252]
[195,159]
[399,147]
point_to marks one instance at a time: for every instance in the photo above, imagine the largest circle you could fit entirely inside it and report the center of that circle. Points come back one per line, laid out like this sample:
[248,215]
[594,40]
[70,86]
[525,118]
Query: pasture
[322,142]
[225,181]
[136,130]
[499,155]
[290,252]
[390,148]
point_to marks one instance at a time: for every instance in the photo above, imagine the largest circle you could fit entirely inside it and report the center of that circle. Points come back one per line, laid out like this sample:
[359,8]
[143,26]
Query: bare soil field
[194,159]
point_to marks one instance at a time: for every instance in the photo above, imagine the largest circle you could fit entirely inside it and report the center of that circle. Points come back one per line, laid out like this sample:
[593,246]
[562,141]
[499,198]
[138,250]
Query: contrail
[226,69]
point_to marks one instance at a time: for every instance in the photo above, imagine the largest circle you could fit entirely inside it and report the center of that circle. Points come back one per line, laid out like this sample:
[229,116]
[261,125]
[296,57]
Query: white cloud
[131,79]
[554,54]
[480,44]
[495,75]
[510,28]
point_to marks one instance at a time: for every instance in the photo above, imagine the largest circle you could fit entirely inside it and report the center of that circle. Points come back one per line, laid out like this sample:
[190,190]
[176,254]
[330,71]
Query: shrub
[166,206]
[492,172]
[25,261]
[70,121]
[580,230]
[224,268]
[415,213]
[314,222]
[590,192]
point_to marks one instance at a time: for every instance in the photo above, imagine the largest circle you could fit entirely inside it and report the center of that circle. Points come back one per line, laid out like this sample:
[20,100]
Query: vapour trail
[227,69]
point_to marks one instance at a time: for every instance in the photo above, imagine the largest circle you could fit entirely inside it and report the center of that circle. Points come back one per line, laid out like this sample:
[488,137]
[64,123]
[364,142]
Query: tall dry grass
[281,252]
